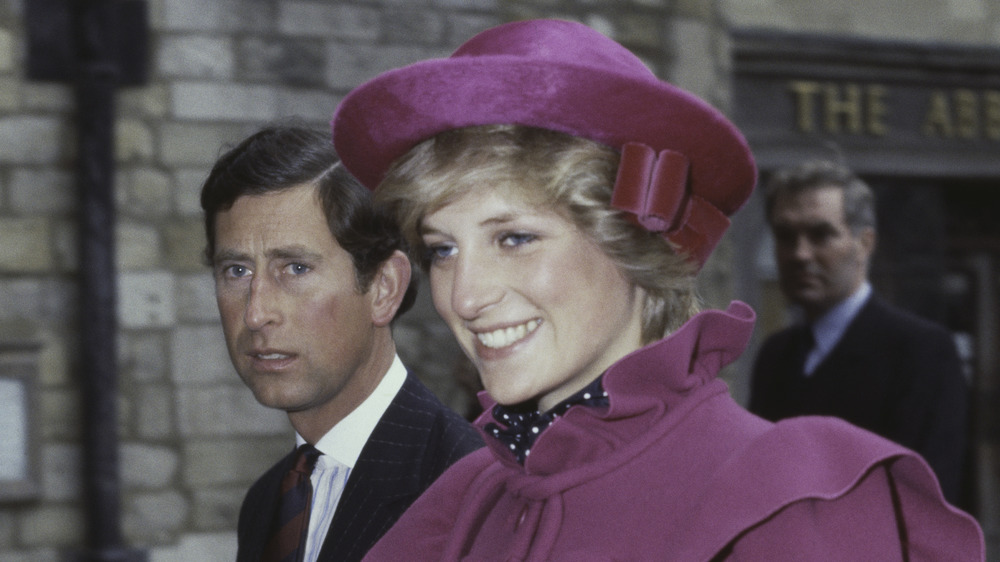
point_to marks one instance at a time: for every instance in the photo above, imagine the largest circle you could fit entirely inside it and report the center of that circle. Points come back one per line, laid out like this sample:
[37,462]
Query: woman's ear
[389,287]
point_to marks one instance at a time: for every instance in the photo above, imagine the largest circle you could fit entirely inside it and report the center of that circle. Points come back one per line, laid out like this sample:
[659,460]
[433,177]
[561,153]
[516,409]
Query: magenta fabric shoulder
[674,469]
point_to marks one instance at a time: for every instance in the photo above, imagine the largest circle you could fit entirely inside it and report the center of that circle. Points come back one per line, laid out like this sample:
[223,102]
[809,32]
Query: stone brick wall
[192,437]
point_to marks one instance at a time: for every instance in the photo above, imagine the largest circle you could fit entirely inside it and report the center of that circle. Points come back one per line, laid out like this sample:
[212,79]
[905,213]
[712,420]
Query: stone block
[138,246]
[187,192]
[413,25]
[327,19]
[59,414]
[33,555]
[217,15]
[223,101]
[42,191]
[349,64]
[463,26]
[47,302]
[146,299]
[197,546]
[198,355]
[314,106]
[217,507]
[155,407]
[228,462]
[484,5]
[694,67]
[133,140]
[143,355]
[47,97]
[148,192]
[27,244]
[53,360]
[6,531]
[225,409]
[52,525]
[61,466]
[66,243]
[154,517]
[756,13]
[10,94]
[184,244]
[147,467]
[6,51]
[185,145]
[151,100]
[196,298]
[195,56]
[703,10]
[290,62]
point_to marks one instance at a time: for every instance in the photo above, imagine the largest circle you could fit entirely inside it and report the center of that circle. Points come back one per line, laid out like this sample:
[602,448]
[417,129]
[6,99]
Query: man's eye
[298,268]
[236,271]
[514,239]
[821,236]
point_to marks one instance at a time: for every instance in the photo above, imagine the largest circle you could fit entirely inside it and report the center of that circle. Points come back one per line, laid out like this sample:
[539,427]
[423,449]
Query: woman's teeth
[507,336]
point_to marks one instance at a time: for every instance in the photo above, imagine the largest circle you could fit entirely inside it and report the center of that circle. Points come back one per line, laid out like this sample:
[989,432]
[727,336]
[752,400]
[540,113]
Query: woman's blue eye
[516,238]
[439,252]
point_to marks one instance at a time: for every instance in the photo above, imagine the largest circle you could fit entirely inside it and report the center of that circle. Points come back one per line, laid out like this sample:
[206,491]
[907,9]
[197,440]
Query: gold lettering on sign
[938,123]
[992,110]
[804,92]
[842,102]
[963,114]
[877,109]
[845,108]
[966,114]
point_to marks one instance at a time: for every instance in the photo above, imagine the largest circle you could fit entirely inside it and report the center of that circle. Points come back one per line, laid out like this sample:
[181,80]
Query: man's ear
[388,288]
[868,239]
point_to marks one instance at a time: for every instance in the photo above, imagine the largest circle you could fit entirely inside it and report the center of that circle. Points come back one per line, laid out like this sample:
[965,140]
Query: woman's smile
[504,337]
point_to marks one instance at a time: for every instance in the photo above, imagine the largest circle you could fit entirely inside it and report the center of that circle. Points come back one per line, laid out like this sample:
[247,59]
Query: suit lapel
[857,338]
[383,482]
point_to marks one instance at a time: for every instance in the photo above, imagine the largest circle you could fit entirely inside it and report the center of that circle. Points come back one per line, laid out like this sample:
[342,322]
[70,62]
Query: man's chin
[805,297]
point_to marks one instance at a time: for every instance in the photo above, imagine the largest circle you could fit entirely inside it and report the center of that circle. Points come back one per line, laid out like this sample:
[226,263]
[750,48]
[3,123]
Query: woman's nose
[476,285]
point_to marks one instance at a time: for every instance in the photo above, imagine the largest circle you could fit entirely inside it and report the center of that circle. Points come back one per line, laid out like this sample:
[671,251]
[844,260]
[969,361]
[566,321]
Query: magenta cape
[675,470]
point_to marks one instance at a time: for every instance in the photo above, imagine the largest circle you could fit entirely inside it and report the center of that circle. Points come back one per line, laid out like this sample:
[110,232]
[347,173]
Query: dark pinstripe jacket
[417,438]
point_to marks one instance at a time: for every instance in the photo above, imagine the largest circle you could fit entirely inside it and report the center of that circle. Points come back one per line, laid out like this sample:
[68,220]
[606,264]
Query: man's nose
[261,308]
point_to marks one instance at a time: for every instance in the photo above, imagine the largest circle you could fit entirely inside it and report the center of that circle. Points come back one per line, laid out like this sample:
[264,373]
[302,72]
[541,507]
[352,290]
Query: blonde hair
[571,175]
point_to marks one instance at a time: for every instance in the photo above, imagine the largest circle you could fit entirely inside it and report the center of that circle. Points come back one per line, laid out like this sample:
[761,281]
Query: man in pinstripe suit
[309,276]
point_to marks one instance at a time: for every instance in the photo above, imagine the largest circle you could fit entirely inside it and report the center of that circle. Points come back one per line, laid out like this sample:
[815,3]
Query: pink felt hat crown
[685,168]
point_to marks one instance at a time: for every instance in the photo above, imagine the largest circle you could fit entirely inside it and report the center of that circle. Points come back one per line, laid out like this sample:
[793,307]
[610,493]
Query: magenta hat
[684,170]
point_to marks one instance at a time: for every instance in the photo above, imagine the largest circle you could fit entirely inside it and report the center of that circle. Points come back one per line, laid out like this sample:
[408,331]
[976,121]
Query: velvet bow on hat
[684,169]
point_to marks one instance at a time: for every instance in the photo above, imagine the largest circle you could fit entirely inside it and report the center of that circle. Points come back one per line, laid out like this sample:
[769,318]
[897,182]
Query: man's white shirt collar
[343,443]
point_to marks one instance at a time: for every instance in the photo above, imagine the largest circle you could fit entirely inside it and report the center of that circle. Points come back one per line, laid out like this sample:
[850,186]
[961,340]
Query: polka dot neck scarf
[524,423]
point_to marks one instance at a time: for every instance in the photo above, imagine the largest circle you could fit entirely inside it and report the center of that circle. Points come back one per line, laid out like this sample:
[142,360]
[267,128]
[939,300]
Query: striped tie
[288,538]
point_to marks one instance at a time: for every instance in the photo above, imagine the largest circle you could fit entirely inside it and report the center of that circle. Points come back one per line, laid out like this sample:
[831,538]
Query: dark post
[77,40]
[95,96]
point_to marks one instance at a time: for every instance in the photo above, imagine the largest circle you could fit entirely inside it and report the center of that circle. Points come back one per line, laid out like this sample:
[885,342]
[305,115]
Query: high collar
[643,387]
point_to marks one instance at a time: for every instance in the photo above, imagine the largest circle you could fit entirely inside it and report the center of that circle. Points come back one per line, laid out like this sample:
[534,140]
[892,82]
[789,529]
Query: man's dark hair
[280,157]
[859,200]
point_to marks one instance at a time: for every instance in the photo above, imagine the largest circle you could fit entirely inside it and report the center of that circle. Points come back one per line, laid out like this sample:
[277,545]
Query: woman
[562,199]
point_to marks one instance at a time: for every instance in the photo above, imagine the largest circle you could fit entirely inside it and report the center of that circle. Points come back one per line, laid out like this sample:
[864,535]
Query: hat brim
[384,118]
